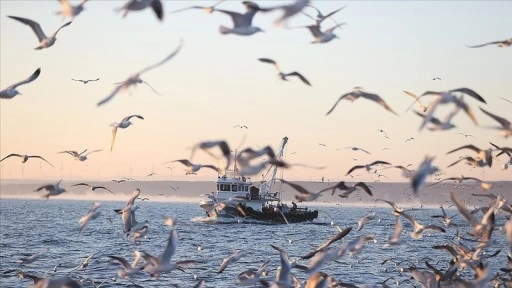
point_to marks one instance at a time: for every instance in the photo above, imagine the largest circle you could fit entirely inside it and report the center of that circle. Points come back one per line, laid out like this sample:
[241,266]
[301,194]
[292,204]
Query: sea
[51,227]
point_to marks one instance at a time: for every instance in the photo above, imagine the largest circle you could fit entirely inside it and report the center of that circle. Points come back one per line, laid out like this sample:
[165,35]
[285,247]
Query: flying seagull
[137,5]
[289,10]
[356,94]
[325,36]
[24,158]
[135,78]
[194,167]
[85,81]
[242,23]
[367,166]
[320,17]
[11,92]
[53,189]
[485,155]
[125,123]
[206,9]
[140,81]
[503,43]
[282,75]
[70,11]
[93,188]
[80,156]
[44,41]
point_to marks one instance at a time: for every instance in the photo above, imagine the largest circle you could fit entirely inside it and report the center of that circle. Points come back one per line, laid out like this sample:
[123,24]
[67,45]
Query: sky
[216,82]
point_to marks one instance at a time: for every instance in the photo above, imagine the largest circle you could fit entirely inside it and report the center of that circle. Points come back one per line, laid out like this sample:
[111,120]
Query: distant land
[190,191]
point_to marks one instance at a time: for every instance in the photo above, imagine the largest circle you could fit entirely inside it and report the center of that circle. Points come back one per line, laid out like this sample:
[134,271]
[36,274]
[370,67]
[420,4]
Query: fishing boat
[236,196]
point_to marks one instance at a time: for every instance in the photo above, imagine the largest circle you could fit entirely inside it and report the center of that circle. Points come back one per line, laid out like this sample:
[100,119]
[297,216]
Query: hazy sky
[216,82]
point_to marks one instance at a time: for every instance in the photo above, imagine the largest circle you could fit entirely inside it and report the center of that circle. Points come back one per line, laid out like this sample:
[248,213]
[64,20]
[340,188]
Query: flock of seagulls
[155,266]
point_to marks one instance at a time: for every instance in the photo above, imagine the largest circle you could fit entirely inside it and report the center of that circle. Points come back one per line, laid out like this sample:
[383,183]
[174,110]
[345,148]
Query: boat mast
[279,156]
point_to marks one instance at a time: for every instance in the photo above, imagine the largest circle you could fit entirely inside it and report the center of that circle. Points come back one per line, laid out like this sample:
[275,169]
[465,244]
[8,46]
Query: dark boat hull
[275,216]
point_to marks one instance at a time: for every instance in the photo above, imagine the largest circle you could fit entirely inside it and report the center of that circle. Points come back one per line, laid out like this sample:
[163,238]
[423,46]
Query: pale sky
[216,82]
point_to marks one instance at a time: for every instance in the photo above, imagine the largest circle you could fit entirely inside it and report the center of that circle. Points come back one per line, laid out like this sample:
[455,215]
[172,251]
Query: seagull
[282,75]
[471,161]
[223,146]
[125,123]
[305,195]
[240,126]
[10,92]
[242,23]
[157,265]
[422,172]
[79,156]
[364,219]
[235,256]
[446,220]
[70,11]
[419,228]
[445,97]
[506,126]
[24,158]
[503,43]
[436,78]
[358,92]
[367,166]
[194,167]
[137,5]
[53,189]
[485,155]
[349,189]
[128,268]
[357,149]
[140,81]
[394,239]
[135,78]
[206,9]
[466,135]
[44,41]
[93,187]
[85,81]
[406,173]
[91,215]
[325,36]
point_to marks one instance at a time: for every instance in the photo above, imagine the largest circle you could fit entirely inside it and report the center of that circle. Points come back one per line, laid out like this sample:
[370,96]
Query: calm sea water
[31,226]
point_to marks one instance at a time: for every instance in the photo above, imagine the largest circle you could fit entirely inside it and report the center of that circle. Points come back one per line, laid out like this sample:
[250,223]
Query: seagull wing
[127,118]
[471,93]
[114,131]
[364,187]
[376,98]
[120,87]
[151,87]
[34,25]
[297,187]
[270,61]
[416,99]
[184,162]
[464,210]
[472,147]
[170,248]
[295,73]
[315,30]
[503,122]
[187,8]
[349,94]
[29,79]
[158,8]
[164,60]
[126,265]
[433,120]
[330,30]
[81,184]
[55,33]
[354,168]
[482,45]
[103,187]
[98,150]
[12,154]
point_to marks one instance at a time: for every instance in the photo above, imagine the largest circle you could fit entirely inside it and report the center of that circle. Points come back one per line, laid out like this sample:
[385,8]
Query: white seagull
[356,94]
[70,11]
[325,36]
[135,78]
[85,81]
[80,156]
[125,123]
[128,268]
[44,41]
[282,75]
[235,256]
[426,168]
[11,92]
[53,189]
[194,167]
[24,158]
[242,23]
[91,215]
